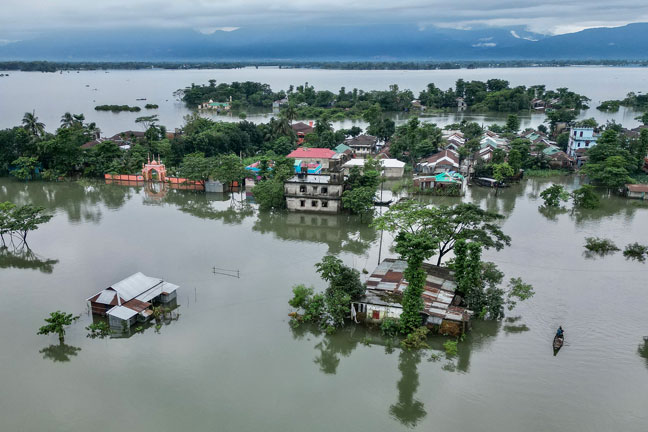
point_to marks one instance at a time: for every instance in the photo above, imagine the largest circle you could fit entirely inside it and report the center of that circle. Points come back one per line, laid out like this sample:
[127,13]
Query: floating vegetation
[636,251]
[450,348]
[599,247]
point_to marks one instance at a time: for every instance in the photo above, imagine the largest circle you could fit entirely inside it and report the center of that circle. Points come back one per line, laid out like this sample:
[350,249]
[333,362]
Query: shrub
[450,348]
[390,327]
[416,339]
[98,330]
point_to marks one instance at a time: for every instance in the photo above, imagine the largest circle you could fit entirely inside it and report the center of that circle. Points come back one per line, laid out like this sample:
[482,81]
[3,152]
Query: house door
[375,314]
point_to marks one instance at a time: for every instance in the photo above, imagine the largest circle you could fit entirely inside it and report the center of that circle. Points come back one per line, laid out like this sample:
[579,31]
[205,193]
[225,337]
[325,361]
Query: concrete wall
[310,190]
[394,172]
[313,204]
[324,162]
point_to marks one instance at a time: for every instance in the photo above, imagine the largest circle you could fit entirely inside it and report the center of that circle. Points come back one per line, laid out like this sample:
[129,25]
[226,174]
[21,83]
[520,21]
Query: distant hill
[378,43]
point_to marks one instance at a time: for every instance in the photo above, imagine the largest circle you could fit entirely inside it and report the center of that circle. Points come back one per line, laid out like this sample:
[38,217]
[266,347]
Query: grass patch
[544,173]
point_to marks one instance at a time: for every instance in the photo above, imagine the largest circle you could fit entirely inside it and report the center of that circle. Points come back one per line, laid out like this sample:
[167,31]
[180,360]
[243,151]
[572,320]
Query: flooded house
[391,168]
[132,299]
[326,158]
[314,192]
[384,293]
[443,161]
[637,191]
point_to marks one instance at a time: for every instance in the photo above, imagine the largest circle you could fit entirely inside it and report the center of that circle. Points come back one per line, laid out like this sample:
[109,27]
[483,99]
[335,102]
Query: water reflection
[210,205]
[341,233]
[59,353]
[24,258]
[408,410]
[79,200]
[552,213]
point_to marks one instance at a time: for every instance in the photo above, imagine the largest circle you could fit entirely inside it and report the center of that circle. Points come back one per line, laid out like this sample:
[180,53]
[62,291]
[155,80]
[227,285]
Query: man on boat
[560,332]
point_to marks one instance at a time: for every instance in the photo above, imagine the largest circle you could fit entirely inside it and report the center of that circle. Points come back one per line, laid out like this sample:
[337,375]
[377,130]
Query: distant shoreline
[53,66]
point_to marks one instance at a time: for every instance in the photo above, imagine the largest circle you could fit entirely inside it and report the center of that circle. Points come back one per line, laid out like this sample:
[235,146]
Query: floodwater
[52,94]
[231,362]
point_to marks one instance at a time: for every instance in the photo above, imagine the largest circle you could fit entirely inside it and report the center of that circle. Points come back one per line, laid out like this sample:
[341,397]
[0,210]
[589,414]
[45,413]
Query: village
[317,184]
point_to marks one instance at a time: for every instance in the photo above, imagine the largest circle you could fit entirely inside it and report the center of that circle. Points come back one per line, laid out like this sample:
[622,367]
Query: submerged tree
[586,197]
[56,323]
[554,195]
[414,243]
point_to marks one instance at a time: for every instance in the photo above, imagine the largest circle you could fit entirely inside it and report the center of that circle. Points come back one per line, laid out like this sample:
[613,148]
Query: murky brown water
[231,362]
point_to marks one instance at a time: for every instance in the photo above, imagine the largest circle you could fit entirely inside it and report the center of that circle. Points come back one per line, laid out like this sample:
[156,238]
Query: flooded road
[231,362]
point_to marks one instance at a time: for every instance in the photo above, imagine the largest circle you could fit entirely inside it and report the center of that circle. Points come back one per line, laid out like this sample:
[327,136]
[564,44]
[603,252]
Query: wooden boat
[558,343]
[383,203]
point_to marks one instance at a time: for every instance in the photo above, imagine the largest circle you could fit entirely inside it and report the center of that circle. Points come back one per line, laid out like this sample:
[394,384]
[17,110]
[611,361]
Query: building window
[318,162]
[302,203]
[313,203]
[581,134]
[302,189]
[574,133]
[324,203]
[324,189]
[314,189]
[587,143]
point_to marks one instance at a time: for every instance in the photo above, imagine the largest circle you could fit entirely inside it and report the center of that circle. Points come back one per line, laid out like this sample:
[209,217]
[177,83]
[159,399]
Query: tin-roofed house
[384,294]
[131,299]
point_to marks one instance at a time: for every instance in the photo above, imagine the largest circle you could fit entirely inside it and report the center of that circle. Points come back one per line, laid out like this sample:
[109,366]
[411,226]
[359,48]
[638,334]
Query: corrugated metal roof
[106,296]
[122,312]
[135,285]
[388,279]
[157,290]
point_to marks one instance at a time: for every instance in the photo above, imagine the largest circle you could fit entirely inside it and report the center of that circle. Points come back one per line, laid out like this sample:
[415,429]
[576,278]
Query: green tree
[26,218]
[269,194]
[515,160]
[512,123]
[643,118]
[359,200]
[611,173]
[553,195]
[502,172]
[196,167]
[414,243]
[56,323]
[586,197]
[24,167]
[228,169]
[32,125]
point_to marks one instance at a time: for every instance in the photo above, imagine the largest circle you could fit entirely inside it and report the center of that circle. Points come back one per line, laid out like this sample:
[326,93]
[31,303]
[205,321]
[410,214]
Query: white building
[581,139]
[391,168]
[314,193]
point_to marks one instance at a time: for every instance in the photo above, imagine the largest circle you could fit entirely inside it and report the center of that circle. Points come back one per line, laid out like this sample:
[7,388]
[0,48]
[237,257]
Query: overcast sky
[20,18]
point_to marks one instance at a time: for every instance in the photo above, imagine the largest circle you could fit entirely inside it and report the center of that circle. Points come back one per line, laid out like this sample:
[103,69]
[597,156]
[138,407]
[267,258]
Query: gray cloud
[24,17]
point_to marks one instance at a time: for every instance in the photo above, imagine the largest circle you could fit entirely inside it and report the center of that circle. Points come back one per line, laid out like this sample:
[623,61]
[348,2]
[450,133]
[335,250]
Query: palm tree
[67,121]
[290,112]
[282,127]
[92,130]
[32,125]
[78,119]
